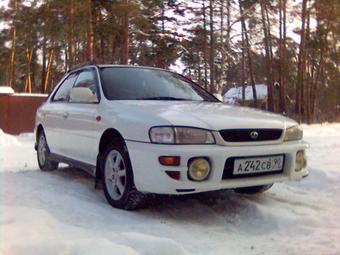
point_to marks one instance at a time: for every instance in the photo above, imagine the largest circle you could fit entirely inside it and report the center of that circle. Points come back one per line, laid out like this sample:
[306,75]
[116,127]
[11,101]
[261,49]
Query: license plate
[258,165]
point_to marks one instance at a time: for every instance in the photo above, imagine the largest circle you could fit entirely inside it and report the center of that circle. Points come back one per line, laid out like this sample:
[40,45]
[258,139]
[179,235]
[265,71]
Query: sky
[3,3]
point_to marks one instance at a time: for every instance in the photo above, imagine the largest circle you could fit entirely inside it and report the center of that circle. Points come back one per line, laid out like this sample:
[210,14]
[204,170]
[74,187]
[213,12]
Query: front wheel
[117,177]
[43,154]
[253,189]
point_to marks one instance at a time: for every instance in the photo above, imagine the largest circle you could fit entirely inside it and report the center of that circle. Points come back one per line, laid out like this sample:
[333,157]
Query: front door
[81,120]
[55,116]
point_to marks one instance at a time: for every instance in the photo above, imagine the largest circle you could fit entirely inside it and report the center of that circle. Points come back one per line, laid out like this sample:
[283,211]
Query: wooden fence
[17,112]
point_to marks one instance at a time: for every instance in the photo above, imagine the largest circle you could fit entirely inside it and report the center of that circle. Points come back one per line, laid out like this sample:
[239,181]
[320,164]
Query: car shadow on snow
[223,209]
[69,195]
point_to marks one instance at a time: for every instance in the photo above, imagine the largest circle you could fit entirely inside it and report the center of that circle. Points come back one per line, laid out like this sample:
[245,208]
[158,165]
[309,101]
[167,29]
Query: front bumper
[150,176]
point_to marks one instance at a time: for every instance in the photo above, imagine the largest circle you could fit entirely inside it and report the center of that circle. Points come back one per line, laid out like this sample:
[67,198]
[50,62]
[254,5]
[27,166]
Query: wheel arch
[106,138]
[38,130]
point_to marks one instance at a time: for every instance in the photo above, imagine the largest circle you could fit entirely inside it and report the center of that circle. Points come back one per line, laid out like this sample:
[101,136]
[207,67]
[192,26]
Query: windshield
[128,83]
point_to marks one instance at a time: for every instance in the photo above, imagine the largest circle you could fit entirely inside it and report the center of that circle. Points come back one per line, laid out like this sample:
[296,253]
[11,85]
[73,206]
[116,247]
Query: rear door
[55,116]
[81,119]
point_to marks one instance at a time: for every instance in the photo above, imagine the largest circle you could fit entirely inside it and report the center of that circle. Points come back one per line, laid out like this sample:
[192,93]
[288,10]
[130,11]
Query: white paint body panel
[72,131]
[150,176]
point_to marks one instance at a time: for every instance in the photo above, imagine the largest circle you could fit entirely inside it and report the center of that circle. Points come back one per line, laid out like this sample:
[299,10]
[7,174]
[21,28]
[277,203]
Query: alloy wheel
[42,150]
[115,174]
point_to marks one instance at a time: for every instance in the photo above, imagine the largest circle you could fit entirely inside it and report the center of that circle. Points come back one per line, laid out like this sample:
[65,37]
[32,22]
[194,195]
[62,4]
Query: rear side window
[63,93]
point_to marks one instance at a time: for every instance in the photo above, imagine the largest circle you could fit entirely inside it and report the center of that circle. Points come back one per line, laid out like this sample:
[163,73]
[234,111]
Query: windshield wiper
[164,98]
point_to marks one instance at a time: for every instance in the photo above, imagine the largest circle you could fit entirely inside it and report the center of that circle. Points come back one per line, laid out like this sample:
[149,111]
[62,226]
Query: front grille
[250,135]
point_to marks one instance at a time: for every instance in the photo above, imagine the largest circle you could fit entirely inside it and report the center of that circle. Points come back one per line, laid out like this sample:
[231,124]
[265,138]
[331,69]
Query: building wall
[17,112]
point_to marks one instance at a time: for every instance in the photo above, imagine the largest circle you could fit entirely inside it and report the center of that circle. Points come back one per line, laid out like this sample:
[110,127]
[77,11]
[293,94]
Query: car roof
[133,66]
[91,64]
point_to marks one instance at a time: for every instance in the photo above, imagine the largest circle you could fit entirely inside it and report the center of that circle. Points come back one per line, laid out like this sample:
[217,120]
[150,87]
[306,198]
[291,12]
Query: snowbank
[60,213]
[7,140]
[17,152]
[6,90]
[325,129]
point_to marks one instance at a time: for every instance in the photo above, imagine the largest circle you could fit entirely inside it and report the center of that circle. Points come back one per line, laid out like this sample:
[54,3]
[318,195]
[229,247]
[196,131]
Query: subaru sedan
[141,130]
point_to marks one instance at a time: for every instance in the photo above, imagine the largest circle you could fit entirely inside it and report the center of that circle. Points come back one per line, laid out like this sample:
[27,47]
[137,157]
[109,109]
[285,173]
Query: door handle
[65,115]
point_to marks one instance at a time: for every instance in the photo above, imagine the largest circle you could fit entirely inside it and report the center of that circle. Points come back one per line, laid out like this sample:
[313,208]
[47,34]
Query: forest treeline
[292,46]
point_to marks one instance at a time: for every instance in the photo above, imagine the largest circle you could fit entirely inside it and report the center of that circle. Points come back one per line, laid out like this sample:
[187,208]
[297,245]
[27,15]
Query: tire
[253,189]
[117,179]
[43,154]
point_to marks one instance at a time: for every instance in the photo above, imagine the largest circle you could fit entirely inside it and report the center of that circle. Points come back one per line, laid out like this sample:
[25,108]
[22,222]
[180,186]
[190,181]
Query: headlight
[294,133]
[162,135]
[181,135]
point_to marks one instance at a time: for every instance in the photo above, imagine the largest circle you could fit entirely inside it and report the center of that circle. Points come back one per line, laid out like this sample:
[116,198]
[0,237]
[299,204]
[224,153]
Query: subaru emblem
[254,135]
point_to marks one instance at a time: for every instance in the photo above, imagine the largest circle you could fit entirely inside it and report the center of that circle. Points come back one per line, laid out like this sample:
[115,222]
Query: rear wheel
[43,154]
[117,177]
[253,189]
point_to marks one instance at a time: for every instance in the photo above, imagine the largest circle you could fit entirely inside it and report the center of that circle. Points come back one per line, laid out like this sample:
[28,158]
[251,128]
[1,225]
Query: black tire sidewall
[48,164]
[122,202]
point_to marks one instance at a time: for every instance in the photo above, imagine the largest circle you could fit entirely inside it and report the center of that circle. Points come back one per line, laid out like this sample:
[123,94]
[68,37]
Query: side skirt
[74,163]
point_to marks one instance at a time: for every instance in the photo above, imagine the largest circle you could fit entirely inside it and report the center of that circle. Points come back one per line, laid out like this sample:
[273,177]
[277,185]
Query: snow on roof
[6,90]
[235,94]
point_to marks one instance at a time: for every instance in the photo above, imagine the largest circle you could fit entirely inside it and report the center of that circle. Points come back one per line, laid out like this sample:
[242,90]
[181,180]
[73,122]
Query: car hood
[208,115]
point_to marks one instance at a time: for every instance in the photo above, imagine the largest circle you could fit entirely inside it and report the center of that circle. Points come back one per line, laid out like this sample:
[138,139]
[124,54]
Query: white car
[144,130]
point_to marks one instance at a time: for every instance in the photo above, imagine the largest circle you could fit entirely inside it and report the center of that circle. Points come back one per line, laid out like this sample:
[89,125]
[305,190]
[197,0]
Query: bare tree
[90,32]
[269,64]
[249,55]
[13,48]
[212,48]
[243,70]
[124,59]
[71,47]
[301,64]
[205,46]
[282,53]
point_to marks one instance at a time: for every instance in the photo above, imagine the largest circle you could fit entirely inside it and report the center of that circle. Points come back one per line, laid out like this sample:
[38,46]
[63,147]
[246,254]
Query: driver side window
[85,88]
[63,93]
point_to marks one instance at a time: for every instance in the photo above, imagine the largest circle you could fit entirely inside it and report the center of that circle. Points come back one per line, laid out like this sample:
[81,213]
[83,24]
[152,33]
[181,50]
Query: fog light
[300,161]
[199,169]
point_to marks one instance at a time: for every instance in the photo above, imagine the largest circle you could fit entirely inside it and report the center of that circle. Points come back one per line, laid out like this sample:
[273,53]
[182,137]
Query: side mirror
[82,95]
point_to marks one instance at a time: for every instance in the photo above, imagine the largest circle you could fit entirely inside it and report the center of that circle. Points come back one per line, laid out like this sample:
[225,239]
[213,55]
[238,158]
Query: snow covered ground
[61,213]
